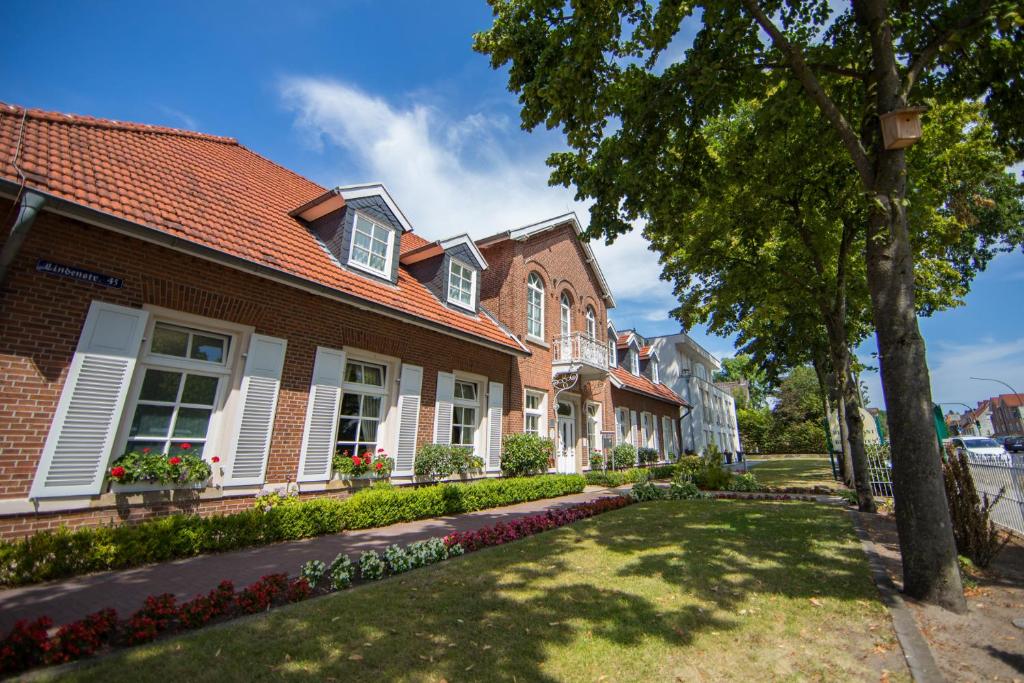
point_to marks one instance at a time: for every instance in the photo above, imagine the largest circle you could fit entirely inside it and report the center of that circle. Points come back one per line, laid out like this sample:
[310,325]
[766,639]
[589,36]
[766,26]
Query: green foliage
[439,461]
[525,454]
[745,482]
[755,427]
[613,478]
[743,367]
[57,554]
[147,466]
[647,456]
[684,489]
[397,559]
[624,455]
[312,572]
[645,491]
[340,572]
[371,566]
[977,536]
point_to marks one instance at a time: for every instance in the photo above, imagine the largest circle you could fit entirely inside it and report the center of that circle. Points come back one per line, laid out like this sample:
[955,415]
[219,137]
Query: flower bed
[33,643]
[58,554]
[145,467]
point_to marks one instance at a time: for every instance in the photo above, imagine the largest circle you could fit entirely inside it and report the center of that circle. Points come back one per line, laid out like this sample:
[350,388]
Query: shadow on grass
[626,587]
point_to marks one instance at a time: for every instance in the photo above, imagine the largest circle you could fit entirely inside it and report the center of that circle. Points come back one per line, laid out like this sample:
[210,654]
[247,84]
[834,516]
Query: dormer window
[611,353]
[461,284]
[634,362]
[371,246]
[654,370]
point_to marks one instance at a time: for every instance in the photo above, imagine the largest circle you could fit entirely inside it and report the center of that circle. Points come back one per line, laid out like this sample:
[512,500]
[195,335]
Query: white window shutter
[443,408]
[618,427]
[495,408]
[654,431]
[320,435]
[260,387]
[78,447]
[634,430]
[409,389]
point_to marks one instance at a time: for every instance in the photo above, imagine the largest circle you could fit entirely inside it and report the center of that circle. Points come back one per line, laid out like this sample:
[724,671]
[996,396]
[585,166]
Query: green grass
[796,471]
[668,590]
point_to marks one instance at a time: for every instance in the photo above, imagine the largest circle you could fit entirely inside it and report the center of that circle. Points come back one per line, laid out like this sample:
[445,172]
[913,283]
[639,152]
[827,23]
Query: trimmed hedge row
[63,553]
[634,475]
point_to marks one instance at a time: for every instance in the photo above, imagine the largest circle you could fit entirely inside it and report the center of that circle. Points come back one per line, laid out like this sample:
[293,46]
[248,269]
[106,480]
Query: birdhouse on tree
[901,128]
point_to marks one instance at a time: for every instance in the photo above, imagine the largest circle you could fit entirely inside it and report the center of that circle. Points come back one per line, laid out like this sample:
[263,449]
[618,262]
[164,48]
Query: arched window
[591,323]
[535,306]
[566,315]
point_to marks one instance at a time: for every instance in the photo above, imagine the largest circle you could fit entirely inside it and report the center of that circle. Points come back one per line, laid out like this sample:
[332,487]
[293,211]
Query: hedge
[59,554]
[634,475]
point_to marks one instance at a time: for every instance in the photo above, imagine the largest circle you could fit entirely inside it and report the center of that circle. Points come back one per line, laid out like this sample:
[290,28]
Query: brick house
[161,287]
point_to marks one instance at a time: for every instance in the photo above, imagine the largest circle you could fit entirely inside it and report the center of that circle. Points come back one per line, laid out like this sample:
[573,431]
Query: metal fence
[879,469]
[1004,475]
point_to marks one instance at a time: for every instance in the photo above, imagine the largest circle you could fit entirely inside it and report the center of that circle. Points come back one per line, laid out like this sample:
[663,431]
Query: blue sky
[355,91]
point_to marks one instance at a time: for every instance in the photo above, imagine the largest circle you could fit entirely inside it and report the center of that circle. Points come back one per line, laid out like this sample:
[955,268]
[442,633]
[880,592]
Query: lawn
[667,590]
[795,471]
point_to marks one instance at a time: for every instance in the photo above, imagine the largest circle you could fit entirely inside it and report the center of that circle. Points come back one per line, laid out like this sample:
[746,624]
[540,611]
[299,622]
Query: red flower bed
[30,644]
[504,532]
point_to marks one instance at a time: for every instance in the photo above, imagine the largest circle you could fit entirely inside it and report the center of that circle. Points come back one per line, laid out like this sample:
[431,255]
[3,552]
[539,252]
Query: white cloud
[453,176]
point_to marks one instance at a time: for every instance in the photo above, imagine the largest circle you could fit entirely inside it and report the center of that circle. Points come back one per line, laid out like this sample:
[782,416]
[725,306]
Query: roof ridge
[82,120]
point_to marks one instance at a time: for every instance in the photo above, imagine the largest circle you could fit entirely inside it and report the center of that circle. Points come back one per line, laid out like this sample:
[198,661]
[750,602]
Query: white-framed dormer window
[612,359]
[465,413]
[535,306]
[566,315]
[461,284]
[363,408]
[534,412]
[371,247]
[591,322]
[184,380]
[634,362]
[655,375]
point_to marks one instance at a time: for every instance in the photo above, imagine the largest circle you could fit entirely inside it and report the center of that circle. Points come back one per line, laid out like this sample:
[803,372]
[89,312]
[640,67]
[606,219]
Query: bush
[422,553]
[689,465]
[746,482]
[596,460]
[313,571]
[647,456]
[633,475]
[645,491]
[57,554]
[662,472]
[25,646]
[525,454]
[684,489]
[976,534]
[371,567]
[623,456]
[340,573]
[439,461]
[397,559]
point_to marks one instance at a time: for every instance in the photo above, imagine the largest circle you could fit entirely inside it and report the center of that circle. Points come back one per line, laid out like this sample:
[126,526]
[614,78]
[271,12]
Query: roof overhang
[436,248]
[332,200]
[527,231]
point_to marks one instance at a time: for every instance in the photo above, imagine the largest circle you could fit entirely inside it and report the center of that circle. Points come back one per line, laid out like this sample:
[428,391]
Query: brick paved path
[126,590]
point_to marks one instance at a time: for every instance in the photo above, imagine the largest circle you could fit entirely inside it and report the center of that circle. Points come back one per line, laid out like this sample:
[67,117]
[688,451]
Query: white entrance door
[566,460]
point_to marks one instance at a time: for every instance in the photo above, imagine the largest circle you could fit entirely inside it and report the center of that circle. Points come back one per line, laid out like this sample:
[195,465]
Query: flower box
[149,486]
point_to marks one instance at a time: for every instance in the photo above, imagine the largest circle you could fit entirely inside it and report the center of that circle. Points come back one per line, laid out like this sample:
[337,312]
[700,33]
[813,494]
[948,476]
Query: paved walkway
[126,590]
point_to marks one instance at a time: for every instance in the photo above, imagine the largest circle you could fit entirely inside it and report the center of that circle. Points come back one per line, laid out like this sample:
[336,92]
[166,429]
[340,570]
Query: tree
[742,368]
[634,126]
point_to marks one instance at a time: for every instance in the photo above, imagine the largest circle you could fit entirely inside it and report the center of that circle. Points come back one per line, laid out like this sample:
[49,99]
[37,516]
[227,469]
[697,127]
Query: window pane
[193,448]
[192,422]
[467,435]
[533,401]
[151,421]
[368,431]
[210,349]
[456,434]
[354,373]
[140,446]
[160,385]
[347,429]
[199,389]
[373,375]
[457,415]
[350,404]
[362,240]
[169,341]
[377,262]
[371,406]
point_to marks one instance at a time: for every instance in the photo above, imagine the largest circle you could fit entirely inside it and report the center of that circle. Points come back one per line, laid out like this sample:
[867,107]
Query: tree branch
[821,66]
[814,90]
[924,59]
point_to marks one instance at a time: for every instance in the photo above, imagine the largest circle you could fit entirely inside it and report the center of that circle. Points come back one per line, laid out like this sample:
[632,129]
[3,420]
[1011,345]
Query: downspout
[29,206]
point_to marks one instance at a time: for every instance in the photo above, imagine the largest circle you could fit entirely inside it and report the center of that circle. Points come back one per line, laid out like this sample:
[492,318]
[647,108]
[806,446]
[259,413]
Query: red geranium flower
[215,459]
[117,472]
[367,457]
[175,460]
[186,446]
[145,450]
[380,465]
[380,450]
[356,461]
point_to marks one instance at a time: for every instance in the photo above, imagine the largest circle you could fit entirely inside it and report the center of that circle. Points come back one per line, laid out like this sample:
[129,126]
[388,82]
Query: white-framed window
[622,425]
[669,436]
[594,426]
[372,245]
[461,284]
[634,361]
[465,413]
[655,375]
[363,408]
[534,416]
[612,360]
[591,322]
[535,306]
[566,314]
[184,376]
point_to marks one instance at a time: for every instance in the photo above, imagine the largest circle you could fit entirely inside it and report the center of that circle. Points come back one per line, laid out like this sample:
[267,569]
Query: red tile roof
[207,190]
[411,241]
[1008,400]
[622,340]
[645,351]
[643,385]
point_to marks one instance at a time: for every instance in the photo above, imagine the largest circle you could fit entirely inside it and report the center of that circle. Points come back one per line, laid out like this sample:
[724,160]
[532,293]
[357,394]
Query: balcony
[580,353]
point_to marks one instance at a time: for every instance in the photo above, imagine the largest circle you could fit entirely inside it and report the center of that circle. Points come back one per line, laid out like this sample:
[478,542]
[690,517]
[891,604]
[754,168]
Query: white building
[687,368]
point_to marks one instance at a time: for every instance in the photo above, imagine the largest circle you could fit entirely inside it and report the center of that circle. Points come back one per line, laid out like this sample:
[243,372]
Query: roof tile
[641,384]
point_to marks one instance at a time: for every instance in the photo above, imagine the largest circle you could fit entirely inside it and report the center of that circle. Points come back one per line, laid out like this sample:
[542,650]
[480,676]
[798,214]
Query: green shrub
[434,460]
[397,559]
[312,572]
[975,533]
[684,489]
[340,573]
[647,456]
[645,491]
[525,454]
[623,456]
[633,475]
[58,554]
[596,460]
[371,567]
[662,471]
[689,465]
[464,461]
[746,482]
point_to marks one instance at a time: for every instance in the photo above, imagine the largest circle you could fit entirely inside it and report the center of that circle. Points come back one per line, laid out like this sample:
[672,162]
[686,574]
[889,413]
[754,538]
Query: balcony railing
[579,348]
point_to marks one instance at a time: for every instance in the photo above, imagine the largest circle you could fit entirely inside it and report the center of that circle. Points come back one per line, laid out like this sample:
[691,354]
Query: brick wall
[42,315]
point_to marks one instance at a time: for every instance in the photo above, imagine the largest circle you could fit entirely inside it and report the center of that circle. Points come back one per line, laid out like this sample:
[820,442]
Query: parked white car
[979,448]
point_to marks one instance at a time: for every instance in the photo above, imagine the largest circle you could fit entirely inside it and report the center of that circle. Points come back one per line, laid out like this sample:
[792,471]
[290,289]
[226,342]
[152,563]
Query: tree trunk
[846,464]
[930,569]
[855,428]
